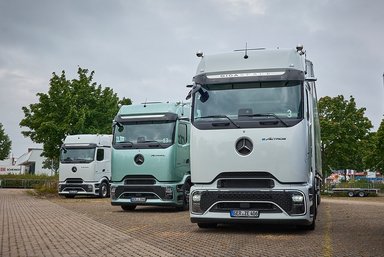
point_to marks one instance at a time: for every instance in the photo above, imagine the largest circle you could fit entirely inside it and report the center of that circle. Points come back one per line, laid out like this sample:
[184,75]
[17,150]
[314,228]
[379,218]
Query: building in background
[32,162]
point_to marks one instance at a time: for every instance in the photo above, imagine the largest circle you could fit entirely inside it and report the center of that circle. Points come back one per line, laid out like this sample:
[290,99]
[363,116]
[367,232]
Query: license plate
[138,199]
[244,213]
[72,192]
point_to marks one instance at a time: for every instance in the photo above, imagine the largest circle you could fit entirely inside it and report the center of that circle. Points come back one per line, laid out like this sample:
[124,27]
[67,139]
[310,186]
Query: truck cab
[85,165]
[255,139]
[150,156]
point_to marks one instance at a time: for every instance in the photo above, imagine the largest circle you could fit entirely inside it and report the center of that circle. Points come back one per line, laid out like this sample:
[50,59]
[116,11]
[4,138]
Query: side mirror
[120,127]
[195,88]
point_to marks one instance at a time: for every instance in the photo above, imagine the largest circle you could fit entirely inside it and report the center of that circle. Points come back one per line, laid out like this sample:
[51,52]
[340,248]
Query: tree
[376,152]
[77,106]
[344,133]
[5,144]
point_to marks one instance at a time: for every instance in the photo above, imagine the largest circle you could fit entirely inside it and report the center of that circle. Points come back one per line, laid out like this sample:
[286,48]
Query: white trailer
[85,165]
[255,139]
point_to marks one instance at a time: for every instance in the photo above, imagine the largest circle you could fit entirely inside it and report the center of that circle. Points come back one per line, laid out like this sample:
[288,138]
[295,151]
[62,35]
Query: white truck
[255,139]
[85,165]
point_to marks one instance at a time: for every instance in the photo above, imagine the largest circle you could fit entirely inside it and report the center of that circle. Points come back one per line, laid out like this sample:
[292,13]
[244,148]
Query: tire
[207,225]
[309,227]
[103,190]
[69,196]
[128,207]
[361,194]
[186,191]
[351,194]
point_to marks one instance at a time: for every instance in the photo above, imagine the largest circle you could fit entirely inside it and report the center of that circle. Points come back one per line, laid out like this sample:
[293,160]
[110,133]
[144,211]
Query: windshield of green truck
[144,134]
[77,155]
[242,105]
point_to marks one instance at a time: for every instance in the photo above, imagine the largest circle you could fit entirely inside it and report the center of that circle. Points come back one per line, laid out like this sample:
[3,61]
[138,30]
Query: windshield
[248,104]
[144,134]
[77,155]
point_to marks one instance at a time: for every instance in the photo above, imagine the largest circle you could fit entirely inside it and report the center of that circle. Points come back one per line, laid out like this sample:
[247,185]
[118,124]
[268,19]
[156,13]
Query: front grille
[139,182]
[74,181]
[158,190]
[281,198]
[245,183]
[71,187]
[261,207]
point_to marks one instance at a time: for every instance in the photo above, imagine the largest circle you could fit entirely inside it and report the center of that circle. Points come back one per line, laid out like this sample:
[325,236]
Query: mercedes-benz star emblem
[244,146]
[139,159]
[74,169]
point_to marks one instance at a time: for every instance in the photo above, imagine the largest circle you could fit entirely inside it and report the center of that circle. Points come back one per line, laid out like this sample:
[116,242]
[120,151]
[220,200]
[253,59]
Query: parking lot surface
[92,227]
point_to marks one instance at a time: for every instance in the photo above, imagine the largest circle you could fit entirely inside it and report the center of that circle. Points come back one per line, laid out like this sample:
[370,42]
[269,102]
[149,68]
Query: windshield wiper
[220,116]
[265,115]
[153,142]
[124,144]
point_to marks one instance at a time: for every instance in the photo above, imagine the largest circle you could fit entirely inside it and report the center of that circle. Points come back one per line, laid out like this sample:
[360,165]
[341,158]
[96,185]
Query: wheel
[128,207]
[69,196]
[207,225]
[361,193]
[104,190]
[351,194]
[311,226]
[186,191]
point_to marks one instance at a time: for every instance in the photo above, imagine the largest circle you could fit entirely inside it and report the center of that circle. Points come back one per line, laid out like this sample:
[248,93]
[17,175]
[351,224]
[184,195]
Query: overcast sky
[145,50]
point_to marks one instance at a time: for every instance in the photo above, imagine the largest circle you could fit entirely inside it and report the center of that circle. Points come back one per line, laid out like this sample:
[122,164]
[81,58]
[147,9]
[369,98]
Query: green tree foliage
[344,133]
[375,153]
[77,106]
[5,144]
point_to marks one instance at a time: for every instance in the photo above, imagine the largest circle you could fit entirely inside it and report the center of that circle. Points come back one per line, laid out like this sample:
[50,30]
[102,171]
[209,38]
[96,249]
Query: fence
[26,183]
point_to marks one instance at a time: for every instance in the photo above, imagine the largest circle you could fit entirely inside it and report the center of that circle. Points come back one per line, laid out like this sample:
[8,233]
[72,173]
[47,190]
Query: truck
[255,139]
[150,156]
[85,165]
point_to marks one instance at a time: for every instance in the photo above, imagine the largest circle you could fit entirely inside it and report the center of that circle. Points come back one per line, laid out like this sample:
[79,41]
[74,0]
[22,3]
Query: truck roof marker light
[142,116]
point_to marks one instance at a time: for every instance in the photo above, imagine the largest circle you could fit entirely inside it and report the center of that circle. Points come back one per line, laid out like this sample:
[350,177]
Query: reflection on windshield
[155,133]
[77,155]
[249,101]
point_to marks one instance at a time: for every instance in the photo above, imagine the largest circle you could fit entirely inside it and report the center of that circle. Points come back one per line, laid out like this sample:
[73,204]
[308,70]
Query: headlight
[298,198]
[196,197]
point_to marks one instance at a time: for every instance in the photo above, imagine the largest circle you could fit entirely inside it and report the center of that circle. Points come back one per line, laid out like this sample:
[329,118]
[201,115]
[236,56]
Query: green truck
[150,156]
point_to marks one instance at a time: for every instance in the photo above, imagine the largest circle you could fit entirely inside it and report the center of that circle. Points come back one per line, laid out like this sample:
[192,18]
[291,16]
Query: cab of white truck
[85,165]
[255,139]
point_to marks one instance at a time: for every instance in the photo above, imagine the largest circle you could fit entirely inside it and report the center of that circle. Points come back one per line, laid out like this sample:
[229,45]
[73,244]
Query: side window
[100,154]
[182,136]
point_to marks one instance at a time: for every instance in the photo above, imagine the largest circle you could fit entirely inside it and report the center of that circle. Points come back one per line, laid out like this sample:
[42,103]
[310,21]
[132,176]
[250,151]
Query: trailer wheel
[128,207]
[207,225]
[351,193]
[103,190]
[361,193]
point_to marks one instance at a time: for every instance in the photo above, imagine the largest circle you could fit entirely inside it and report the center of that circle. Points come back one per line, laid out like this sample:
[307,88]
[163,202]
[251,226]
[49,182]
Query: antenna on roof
[246,50]
[145,103]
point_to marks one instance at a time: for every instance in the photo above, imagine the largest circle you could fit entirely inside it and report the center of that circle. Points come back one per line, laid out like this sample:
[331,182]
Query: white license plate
[138,199]
[244,213]
[72,192]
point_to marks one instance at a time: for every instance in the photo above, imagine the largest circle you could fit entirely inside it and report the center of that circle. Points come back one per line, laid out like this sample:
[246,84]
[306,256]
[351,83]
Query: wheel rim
[104,190]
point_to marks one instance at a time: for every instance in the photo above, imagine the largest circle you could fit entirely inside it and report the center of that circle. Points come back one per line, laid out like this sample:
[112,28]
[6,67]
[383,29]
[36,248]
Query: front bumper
[157,195]
[78,188]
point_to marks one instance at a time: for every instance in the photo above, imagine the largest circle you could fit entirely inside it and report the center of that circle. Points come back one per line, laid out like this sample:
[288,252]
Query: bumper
[281,205]
[155,195]
[78,189]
